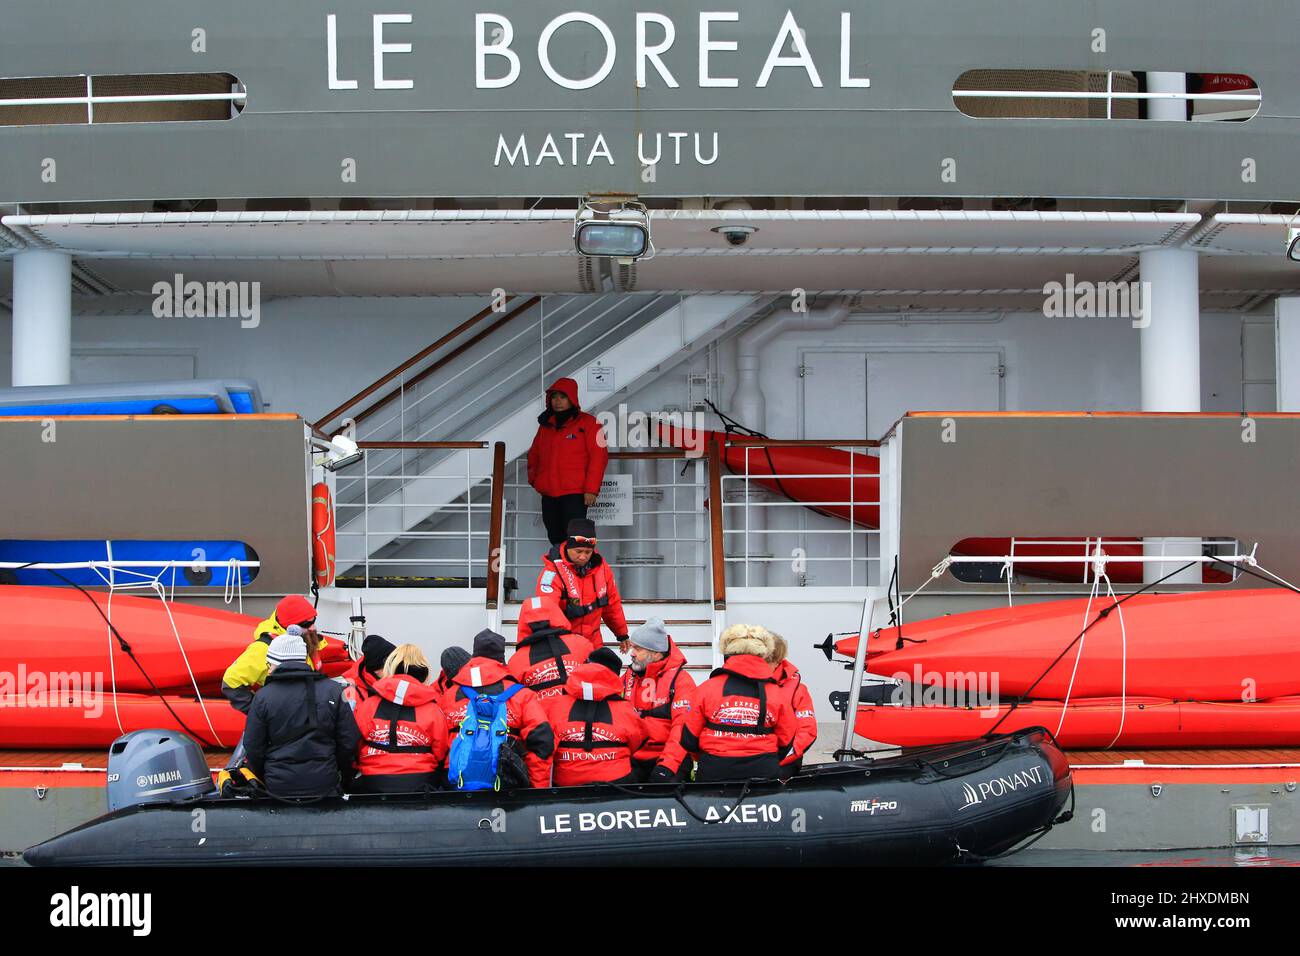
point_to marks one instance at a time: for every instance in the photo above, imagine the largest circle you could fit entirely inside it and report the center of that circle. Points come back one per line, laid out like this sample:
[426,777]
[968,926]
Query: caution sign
[613,507]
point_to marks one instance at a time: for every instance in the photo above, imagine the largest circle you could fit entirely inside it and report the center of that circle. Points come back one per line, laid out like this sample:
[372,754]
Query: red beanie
[294,609]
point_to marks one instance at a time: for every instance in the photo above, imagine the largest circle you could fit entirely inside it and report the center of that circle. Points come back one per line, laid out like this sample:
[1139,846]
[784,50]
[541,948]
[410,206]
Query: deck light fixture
[612,228]
[1293,243]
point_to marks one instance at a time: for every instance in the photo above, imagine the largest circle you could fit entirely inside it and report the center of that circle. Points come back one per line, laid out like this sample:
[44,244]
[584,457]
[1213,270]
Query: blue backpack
[472,764]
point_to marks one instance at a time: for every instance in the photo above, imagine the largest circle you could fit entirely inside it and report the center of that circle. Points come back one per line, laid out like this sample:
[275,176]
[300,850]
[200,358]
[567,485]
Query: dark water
[1255,856]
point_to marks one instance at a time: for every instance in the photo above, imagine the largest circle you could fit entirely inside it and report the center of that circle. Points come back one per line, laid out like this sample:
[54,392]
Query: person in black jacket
[301,736]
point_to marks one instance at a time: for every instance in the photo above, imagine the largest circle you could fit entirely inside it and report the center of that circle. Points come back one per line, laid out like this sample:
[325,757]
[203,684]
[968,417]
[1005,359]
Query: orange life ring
[322,535]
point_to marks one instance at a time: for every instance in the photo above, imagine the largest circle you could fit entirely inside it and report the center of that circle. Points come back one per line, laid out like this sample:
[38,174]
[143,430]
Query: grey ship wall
[442,135]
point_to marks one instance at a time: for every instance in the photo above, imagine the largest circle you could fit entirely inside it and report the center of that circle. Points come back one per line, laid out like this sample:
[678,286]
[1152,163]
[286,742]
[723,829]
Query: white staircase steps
[688,623]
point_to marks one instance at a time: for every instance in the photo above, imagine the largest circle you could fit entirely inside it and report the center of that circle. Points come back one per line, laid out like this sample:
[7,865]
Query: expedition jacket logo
[1000,786]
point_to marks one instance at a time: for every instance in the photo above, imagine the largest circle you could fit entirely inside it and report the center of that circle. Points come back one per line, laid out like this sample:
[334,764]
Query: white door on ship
[848,393]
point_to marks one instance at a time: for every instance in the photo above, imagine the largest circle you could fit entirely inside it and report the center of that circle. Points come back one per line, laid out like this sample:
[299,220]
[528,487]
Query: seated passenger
[658,685]
[300,737]
[403,731]
[483,678]
[361,676]
[791,683]
[581,582]
[451,661]
[740,725]
[548,651]
[596,730]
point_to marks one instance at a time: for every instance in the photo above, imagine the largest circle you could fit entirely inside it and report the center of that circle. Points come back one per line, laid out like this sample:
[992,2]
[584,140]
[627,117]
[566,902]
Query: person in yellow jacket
[248,673]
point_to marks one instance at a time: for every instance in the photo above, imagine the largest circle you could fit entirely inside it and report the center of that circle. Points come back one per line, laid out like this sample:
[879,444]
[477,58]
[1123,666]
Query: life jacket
[525,716]
[249,669]
[596,730]
[476,750]
[548,650]
[739,714]
[662,697]
[403,730]
[587,595]
[568,454]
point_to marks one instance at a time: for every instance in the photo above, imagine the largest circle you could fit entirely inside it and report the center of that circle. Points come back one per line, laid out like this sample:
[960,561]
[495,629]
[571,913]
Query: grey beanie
[652,635]
[453,659]
[288,646]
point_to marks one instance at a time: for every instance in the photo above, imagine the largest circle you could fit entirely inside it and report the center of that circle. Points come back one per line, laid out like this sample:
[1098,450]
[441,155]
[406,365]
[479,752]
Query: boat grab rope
[679,794]
[126,649]
[1101,616]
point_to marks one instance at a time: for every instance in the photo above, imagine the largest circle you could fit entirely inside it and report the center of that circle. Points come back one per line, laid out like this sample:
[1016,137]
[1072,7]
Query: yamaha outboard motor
[156,766]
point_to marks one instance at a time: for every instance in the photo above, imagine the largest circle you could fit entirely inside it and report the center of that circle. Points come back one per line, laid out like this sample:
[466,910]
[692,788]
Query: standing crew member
[596,730]
[658,685]
[361,676]
[567,459]
[791,683]
[581,582]
[403,731]
[548,650]
[485,673]
[741,725]
[301,737]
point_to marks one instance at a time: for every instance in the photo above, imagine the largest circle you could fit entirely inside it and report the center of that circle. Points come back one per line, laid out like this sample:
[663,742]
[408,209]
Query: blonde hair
[779,649]
[405,655]
[746,639]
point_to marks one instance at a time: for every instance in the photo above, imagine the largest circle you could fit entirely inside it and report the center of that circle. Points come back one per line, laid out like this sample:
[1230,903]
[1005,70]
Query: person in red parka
[567,459]
[596,730]
[581,583]
[485,673]
[403,731]
[360,678]
[658,685]
[791,683]
[740,725]
[548,651]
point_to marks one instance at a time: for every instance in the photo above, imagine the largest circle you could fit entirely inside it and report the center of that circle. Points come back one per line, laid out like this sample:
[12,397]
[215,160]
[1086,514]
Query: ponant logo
[1000,786]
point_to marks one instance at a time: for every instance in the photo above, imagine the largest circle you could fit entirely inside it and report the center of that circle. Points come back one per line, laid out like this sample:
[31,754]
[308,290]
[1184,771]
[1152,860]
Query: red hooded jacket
[596,730]
[548,651]
[402,728]
[726,726]
[587,595]
[791,683]
[662,696]
[526,716]
[360,683]
[568,456]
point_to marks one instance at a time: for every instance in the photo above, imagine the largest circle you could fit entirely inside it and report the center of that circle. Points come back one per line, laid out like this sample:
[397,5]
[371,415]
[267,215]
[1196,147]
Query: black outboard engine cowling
[156,766]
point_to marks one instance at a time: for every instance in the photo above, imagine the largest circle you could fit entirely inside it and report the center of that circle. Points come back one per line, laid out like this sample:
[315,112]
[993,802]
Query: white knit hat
[288,646]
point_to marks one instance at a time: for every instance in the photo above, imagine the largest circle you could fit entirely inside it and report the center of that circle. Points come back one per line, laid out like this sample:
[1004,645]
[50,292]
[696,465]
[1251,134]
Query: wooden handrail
[495,523]
[660,453]
[422,444]
[717,554]
[413,360]
[800,442]
[416,360]
[449,357]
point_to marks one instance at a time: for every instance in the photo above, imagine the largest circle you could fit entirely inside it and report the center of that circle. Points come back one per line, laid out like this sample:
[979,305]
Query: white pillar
[1167,83]
[42,335]
[1171,368]
[1286,312]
